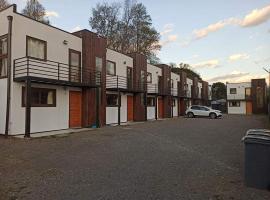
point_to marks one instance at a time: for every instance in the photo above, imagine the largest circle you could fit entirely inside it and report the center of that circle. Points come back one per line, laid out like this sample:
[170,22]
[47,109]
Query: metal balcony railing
[124,83]
[47,71]
[174,92]
[153,88]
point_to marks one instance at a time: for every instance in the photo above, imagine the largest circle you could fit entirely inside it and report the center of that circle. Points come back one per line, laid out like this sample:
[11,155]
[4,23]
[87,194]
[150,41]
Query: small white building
[236,97]
[44,53]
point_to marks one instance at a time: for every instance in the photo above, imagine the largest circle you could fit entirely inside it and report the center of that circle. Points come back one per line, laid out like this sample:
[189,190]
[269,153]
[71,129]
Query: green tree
[219,91]
[35,10]
[3,4]
[127,26]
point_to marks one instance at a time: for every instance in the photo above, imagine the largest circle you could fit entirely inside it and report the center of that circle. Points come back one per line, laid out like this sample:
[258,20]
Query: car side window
[195,108]
[204,109]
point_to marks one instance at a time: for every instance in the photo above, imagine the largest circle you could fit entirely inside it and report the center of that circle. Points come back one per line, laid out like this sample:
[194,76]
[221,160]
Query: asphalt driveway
[171,159]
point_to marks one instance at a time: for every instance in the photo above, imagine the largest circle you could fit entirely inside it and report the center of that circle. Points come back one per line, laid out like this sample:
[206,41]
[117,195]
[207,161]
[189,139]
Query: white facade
[122,62]
[200,90]
[240,90]
[151,110]
[155,73]
[42,118]
[237,110]
[175,108]
[190,84]
[175,79]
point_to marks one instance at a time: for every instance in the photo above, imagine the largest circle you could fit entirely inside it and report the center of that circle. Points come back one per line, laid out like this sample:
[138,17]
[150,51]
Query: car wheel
[213,115]
[190,115]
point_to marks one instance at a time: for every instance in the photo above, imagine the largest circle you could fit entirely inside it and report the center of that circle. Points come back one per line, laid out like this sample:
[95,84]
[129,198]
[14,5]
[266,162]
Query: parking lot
[171,159]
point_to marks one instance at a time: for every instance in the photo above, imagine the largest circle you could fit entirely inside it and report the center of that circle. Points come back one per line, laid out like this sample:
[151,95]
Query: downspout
[10,19]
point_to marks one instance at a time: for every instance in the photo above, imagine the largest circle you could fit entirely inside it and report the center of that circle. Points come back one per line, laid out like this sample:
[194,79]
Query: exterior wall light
[65,42]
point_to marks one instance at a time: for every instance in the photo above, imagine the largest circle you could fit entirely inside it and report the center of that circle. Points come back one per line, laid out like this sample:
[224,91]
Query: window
[204,109]
[174,102]
[75,65]
[40,97]
[111,68]
[142,99]
[151,102]
[195,108]
[232,90]
[112,100]
[248,92]
[36,48]
[149,77]
[99,64]
[234,103]
[3,56]
[172,85]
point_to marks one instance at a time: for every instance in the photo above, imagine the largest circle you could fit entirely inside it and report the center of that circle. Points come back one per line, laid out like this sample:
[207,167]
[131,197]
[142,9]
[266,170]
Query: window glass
[234,103]
[248,92]
[151,101]
[75,66]
[41,97]
[110,68]
[195,108]
[174,102]
[36,48]
[99,64]
[149,77]
[3,57]
[232,90]
[112,100]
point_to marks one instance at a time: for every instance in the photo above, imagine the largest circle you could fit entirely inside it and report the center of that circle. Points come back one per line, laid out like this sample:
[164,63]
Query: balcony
[153,88]
[174,92]
[125,84]
[51,72]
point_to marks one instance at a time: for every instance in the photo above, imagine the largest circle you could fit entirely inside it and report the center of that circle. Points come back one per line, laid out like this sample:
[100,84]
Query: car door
[204,111]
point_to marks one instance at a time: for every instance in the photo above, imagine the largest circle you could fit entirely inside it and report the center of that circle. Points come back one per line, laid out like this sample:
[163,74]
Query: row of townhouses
[247,97]
[51,79]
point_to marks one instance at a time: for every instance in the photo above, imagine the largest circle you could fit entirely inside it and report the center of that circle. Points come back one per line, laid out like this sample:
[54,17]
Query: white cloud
[207,64]
[236,77]
[51,14]
[236,57]
[256,17]
[168,28]
[170,39]
[77,28]
[201,33]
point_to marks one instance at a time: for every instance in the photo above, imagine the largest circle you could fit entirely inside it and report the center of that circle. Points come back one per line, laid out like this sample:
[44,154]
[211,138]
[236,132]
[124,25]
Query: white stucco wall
[240,90]
[190,83]
[155,71]
[112,112]
[43,119]
[237,110]
[122,62]
[176,79]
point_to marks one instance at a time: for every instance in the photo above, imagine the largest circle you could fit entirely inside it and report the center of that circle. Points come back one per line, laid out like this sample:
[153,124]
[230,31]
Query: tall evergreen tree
[35,10]
[3,4]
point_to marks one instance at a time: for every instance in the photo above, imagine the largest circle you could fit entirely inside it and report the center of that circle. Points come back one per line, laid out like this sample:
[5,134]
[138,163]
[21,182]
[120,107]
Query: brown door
[160,108]
[75,109]
[130,108]
[249,108]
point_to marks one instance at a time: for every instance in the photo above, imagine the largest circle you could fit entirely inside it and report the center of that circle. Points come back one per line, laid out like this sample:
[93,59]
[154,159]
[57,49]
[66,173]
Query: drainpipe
[10,19]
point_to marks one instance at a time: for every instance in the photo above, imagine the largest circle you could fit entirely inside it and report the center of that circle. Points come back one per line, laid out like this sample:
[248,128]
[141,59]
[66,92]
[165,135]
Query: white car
[202,111]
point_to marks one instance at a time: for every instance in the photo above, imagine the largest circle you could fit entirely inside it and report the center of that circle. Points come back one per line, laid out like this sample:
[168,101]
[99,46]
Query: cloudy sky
[223,40]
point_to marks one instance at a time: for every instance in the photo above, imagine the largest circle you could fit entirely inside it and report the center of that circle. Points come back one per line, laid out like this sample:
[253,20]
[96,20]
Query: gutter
[10,19]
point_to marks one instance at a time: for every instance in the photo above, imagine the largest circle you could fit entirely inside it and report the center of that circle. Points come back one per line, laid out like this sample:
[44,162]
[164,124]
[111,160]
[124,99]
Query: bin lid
[257,138]
[258,131]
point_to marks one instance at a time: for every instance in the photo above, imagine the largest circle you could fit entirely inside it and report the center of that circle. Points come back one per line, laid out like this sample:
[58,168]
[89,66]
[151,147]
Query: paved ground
[172,159]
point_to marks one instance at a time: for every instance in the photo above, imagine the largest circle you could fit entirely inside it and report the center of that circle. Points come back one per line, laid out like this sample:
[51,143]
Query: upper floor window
[111,68]
[232,90]
[149,77]
[99,64]
[3,56]
[172,86]
[260,97]
[75,65]
[248,92]
[36,48]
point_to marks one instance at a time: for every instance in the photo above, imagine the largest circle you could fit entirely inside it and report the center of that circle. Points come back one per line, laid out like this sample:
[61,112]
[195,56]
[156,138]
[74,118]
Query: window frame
[5,56]
[238,106]
[40,105]
[233,89]
[116,105]
[45,48]
[151,78]
[114,67]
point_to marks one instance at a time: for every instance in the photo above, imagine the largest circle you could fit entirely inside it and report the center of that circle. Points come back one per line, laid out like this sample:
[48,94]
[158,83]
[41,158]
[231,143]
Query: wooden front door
[130,108]
[160,108]
[75,109]
[249,108]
